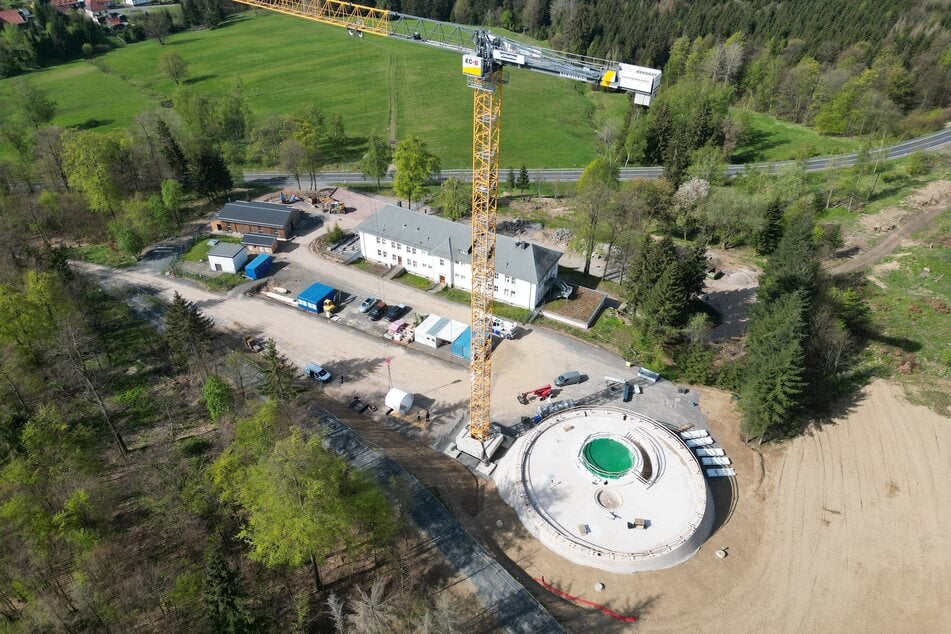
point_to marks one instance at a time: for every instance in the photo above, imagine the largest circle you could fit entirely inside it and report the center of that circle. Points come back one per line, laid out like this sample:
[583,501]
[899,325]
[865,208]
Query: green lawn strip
[505,311]
[415,281]
[770,139]
[101,254]
[199,250]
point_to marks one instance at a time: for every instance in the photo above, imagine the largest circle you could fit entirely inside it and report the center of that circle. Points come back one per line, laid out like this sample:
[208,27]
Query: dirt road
[843,529]
[891,242]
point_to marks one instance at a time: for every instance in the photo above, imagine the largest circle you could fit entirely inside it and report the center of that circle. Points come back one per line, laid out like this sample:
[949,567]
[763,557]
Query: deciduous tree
[174,67]
[415,166]
[454,198]
[376,161]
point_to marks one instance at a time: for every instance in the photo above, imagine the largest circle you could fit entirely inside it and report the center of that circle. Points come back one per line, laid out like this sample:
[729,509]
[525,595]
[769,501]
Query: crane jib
[493,50]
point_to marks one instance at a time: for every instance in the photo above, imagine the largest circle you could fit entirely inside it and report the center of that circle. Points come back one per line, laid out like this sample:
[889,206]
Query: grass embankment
[911,311]
[416,281]
[505,311]
[101,254]
[770,139]
[376,85]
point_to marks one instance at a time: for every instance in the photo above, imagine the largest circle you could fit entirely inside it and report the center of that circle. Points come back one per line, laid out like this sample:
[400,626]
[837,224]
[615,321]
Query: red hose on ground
[611,613]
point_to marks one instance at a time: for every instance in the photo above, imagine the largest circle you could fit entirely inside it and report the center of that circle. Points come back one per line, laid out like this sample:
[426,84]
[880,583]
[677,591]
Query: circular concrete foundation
[608,488]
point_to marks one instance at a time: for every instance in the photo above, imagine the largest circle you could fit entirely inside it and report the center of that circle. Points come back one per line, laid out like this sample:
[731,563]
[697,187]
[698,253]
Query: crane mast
[484,56]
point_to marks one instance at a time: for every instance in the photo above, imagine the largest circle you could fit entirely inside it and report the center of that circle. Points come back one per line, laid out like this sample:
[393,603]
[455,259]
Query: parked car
[569,378]
[395,311]
[367,304]
[375,313]
[318,373]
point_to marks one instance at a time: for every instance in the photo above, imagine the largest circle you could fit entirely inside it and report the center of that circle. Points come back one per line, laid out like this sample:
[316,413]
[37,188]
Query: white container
[399,400]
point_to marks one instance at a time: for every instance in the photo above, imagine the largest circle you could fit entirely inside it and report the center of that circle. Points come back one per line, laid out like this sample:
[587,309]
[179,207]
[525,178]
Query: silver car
[367,304]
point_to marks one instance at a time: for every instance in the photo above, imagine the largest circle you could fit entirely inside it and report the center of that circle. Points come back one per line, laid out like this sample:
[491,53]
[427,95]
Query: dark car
[375,313]
[395,311]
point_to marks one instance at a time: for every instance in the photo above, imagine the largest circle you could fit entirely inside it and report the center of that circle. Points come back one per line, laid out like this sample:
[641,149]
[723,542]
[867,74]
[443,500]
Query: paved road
[818,164]
[514,608]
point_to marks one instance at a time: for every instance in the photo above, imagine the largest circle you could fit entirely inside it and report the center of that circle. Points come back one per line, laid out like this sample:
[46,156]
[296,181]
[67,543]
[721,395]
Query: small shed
[227,257]
[462,346]
[260,243]
[259,266]
[312,298]
[436,331]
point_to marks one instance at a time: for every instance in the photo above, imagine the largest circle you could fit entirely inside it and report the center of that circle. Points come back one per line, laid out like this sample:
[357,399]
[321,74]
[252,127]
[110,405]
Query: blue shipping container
[312,298]
[462,346]
[259,266]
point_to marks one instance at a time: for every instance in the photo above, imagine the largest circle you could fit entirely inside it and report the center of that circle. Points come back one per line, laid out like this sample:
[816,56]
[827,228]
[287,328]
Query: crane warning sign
[472,65]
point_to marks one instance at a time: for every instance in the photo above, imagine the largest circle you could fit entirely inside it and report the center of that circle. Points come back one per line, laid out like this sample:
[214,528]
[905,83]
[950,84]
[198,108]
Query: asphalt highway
[817,164]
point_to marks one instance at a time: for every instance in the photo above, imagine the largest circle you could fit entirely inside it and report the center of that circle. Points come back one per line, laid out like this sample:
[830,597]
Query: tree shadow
[757,142]
[346,150]
[92,123]
[198,79]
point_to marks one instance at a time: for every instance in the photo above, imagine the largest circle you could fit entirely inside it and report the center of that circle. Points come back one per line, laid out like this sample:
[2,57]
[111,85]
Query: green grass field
[774,140]
[375,84]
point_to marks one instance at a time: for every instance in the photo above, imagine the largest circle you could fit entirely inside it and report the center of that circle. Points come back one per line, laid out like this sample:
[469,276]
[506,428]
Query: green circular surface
[607,458]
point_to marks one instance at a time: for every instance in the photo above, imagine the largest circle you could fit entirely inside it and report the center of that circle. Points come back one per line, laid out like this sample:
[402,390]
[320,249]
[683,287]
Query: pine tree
[773,381]
[223,596]
[279,374]
[693,269]
[769,235]
[664,306]
[510,180]
[210,174]
[659,130]
[523,179]
[173,154]
[188,333]
[794,265]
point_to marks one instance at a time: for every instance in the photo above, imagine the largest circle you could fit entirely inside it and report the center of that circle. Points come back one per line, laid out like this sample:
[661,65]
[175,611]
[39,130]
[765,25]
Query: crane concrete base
[481,450]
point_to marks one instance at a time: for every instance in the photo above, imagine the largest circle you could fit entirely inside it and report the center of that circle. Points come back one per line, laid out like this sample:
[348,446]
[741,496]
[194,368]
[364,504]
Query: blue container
[312,298]
[462,346]
[259,266]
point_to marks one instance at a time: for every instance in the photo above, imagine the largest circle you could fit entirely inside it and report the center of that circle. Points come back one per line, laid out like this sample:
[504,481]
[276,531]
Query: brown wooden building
[267,219]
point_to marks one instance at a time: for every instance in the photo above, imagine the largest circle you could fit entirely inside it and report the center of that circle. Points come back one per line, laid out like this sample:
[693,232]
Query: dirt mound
[936,194]
[885,220]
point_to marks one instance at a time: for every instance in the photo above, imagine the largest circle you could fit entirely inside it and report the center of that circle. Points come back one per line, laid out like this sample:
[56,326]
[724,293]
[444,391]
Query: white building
[439,249]
[227,257]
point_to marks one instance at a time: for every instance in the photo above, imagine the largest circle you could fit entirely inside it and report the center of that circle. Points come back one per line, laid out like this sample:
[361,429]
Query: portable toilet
[259,266]
[399,400]
[461,347]
[312,298]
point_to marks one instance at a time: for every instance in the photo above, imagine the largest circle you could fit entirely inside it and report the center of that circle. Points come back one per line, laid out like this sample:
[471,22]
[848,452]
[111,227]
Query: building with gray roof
[440,250]
[257,218]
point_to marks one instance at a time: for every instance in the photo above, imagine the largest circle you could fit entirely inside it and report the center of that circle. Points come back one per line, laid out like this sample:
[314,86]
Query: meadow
[377,85]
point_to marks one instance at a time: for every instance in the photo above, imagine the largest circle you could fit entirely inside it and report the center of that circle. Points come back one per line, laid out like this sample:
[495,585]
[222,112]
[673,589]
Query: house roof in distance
[11,16]
[263,214]
[452,240]
[225,250]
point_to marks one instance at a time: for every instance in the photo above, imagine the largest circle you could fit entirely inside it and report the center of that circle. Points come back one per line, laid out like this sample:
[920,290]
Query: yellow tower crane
[484,55]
